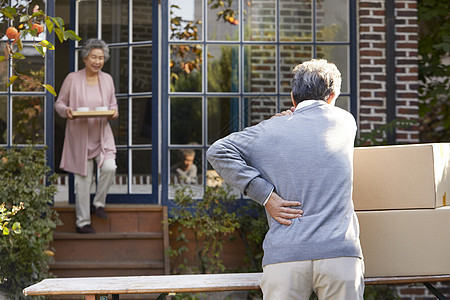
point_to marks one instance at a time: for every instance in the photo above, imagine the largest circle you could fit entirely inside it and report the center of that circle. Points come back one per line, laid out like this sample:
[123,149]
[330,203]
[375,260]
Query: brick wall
[372,68]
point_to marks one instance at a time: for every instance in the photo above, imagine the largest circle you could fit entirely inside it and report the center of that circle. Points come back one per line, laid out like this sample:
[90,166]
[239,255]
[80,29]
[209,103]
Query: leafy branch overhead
[33,24]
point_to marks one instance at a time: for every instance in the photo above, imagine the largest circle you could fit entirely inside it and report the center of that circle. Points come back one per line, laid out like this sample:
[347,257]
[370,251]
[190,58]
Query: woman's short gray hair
[315,80]
[95,44]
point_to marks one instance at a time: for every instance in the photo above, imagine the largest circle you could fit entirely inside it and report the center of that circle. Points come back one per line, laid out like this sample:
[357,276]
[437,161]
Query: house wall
[372,68]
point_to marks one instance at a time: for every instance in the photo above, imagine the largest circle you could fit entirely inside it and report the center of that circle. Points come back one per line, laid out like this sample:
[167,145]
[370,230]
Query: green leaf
[18,55]
[58,22]
[19,44]
[49,88]
[37,14]
[5,231]
[9,12]
[47,45]
[24,18]
[49,24]
[12,79]
[2,59]
[59,34]
[16,228]
[40,49]
[70,34]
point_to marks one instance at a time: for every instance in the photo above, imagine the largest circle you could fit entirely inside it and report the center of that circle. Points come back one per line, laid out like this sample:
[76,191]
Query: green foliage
[5,218]
[24,178]
[434,75]
[211,223]
[380,292]
[378,136]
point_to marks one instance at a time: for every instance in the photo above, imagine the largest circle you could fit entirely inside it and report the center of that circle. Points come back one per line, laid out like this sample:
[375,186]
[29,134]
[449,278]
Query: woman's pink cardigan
[73,94]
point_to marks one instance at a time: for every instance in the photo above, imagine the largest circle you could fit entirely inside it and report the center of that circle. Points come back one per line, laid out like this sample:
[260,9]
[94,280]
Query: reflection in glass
[31,72]
[285,103]
[257,109]
[332,20]
[28,119]
[142,20]
[186,68]
[87,23]
[184,166]
[117,66]
[343,102]
[186,169]
[4,67]
[142,69]
[120,125]
[260,69]
[223,68]
[120,184]
[223,23]
[339,55]
[142,121]
[295,20]
[115,21]
[214,180]
[185,120]
[185,20]
[142,171]
[3,119]
[290,56]
[259,20]
[223,117]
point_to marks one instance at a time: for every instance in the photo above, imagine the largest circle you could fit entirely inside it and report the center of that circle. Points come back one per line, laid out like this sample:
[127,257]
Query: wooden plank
[179,284]
[146,284]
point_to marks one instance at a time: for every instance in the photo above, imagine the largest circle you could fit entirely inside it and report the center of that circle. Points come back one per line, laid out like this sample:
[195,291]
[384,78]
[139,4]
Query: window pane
[117,66]
[223,117]
[142,20]
[3,119]
[223,68]
[115,21]
[87,21]
[185,120]
[120,184]
[260,69]
[32,70]
[223,21]
[257,109]
[28,119]
[259,20]
[142,69]
[339,55]
[186,22]
[290,56]
[4,67]
[285,103]
[142,121]
[186,169]
[186,68]
[120,125]
[332,20]
[142,171]
[343,102]
[295,20]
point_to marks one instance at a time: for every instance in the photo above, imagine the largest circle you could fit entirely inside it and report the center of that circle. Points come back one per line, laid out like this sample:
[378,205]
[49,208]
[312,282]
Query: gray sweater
[306,157]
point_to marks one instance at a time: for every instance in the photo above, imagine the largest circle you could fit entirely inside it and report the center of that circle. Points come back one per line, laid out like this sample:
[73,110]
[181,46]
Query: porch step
[132,241]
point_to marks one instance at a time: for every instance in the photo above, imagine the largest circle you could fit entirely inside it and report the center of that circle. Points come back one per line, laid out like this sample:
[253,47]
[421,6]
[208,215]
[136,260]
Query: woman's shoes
[85,229]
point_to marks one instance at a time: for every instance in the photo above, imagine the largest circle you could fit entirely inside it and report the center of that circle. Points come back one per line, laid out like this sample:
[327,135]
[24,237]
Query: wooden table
[167,284]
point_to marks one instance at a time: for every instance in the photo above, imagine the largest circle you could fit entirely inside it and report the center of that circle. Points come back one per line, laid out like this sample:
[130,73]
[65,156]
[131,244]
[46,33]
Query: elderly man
[299,166]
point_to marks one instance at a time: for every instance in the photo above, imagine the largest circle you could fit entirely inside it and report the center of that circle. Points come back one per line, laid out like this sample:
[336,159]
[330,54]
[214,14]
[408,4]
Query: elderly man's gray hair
[94,44]
[315,80]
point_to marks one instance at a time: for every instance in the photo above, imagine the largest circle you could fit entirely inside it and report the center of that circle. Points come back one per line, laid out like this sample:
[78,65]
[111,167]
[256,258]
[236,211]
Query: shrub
[24,177]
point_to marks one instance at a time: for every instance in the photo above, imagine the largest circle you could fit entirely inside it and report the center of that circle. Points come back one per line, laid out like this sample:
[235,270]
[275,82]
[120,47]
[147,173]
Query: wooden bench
[171,284]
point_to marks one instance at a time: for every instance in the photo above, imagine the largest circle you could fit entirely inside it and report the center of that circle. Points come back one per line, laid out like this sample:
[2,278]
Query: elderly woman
[89,139]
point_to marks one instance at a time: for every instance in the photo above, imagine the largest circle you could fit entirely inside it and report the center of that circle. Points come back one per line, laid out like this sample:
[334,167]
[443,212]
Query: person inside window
[185,171]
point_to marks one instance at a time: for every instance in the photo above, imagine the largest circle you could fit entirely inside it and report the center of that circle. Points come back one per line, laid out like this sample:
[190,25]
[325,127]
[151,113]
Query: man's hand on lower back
[281,210]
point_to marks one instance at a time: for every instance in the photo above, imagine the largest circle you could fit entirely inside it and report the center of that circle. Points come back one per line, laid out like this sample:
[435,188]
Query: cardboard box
[401,177]
[406,242]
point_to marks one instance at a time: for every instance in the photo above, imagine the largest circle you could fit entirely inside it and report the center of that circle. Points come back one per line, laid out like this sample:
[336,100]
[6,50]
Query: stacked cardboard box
[400,195]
